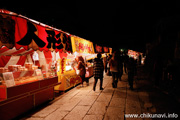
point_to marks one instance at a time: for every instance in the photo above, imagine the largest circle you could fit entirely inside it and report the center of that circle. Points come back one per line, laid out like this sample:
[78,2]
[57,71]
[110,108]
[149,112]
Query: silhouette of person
[98,69]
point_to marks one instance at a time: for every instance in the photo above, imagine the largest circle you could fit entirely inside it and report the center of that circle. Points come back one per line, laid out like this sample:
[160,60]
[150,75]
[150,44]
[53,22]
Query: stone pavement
[82,103]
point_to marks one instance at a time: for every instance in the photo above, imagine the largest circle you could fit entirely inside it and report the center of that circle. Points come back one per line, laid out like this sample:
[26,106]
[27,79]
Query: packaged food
[28,66]
[2,70]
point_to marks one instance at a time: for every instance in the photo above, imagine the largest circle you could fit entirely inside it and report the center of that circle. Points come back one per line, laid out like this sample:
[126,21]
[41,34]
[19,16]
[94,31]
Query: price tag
[9,79]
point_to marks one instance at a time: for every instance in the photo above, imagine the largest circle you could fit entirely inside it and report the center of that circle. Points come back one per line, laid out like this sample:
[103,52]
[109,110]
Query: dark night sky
[112,23]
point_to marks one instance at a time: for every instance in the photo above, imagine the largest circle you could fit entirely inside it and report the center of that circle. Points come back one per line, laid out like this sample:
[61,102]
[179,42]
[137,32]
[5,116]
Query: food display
[2,70]
[21,74]
[25,79]
[28,66]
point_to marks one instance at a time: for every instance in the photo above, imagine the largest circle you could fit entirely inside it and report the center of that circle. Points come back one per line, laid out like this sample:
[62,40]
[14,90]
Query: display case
[21,85]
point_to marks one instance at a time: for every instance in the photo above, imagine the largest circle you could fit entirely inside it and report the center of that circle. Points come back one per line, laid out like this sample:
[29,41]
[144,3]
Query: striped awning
[21,56]
[6,51]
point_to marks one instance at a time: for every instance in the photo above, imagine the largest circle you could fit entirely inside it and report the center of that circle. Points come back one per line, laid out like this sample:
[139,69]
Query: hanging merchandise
[62,65]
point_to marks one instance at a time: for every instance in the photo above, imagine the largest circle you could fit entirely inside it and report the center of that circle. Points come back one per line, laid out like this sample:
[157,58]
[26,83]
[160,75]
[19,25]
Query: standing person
[126,58]
[82,69]
[98,71]
[105,63]
[108,67]
[120,59]
[115,69]
[131,66]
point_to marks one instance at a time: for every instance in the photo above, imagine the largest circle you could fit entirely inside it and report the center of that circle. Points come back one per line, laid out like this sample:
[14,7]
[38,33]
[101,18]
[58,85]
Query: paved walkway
[82,103]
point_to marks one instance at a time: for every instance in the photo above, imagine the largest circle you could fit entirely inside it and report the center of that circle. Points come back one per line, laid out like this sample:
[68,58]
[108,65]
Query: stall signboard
[19,31]
[133,54]
[102,49]
[81,45]
[99,49]
[106,49]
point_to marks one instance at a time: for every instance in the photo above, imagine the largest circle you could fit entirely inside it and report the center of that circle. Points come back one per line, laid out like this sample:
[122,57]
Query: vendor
[81,68]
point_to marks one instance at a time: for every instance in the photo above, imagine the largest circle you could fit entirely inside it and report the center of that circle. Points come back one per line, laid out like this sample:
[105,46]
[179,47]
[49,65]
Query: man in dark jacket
[131,71]
[98,71]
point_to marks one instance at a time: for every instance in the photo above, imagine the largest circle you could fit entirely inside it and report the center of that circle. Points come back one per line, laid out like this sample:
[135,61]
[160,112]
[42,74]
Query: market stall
[68,76]
[85,49]
[137,56]
[29,55]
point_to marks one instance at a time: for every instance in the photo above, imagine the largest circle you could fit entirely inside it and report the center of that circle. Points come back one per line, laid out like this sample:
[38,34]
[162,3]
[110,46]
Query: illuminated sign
[81,45]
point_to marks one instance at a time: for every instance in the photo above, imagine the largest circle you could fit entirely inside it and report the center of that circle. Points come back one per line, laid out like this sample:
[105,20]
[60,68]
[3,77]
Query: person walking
[108,67]
[98,70]
[131,71]
[115,68]
[126,58]
[120,63]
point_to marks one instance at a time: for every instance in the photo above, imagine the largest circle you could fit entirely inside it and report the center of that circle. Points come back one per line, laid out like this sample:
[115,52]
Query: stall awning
[7,52]
[21,32]
[19,57]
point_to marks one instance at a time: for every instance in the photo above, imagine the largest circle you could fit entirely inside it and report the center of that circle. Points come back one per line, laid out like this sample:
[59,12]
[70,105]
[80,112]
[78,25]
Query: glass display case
[20,85]
[17,74]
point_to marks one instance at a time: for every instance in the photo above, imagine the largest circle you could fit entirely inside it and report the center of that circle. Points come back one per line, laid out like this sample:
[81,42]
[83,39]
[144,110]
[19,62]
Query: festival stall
[68,74]
[103,50]
[29,55]
[137,56]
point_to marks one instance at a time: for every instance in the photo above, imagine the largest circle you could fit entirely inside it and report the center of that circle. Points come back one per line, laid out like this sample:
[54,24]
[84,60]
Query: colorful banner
[99,49]
[16,31]
[106,49]
[81,45]
[103,49]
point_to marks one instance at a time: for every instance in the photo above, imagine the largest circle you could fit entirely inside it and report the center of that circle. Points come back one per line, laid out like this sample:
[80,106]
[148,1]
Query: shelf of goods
[27,93]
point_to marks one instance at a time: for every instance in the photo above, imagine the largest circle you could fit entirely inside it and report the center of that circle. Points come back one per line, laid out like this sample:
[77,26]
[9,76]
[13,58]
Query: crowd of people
[114,65]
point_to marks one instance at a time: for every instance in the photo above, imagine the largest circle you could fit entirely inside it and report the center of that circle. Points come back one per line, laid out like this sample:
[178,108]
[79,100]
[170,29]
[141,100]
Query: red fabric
[21,60]
[48,56]
[18,52]
[43,36]
[31,51]
[62,54]
[3,49]
[4,60]
[57,38]
[20,30]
